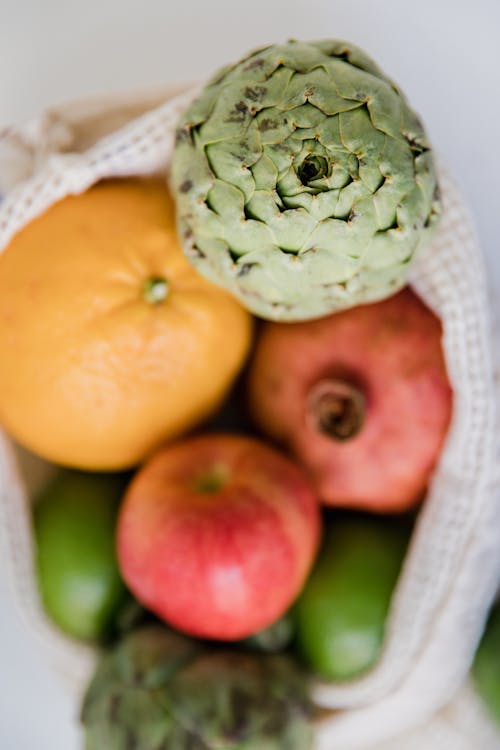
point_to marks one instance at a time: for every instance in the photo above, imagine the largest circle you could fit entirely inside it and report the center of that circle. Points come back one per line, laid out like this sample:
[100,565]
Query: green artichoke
[304,182]
[160,691]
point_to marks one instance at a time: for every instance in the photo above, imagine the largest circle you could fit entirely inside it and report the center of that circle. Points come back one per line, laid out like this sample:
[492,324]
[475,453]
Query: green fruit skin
[341,613]
[486,667]
[273,639]
[78,575]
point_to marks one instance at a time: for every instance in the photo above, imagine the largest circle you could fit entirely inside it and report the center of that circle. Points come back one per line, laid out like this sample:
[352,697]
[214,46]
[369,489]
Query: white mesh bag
[453,564]
[462,725]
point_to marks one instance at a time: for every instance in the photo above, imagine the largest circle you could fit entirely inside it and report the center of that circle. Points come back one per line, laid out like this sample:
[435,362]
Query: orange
[110,342]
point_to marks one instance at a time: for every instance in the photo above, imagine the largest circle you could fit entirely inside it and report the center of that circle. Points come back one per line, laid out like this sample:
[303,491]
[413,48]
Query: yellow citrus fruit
[110,342]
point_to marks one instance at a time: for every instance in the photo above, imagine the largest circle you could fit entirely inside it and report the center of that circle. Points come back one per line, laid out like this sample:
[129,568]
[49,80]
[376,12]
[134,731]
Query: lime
[486,668]
[78,575]
[341,613]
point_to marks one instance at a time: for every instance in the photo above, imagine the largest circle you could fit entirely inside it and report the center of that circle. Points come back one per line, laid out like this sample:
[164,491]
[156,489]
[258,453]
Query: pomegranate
[361,398]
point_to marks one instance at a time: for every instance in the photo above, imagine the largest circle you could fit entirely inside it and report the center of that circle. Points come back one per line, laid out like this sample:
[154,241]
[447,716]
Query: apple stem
[336,408]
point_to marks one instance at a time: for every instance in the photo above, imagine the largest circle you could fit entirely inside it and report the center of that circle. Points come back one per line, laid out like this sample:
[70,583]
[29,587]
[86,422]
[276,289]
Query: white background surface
[444,53]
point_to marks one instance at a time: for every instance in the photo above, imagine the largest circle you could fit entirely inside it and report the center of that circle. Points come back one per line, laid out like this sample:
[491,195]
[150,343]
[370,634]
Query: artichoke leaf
[228,165]
[265,173]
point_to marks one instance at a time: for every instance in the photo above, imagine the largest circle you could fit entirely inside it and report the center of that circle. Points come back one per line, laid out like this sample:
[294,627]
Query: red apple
[217,534]
[361,398]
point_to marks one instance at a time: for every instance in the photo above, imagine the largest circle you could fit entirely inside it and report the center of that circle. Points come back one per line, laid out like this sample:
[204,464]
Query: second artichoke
[158,690]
